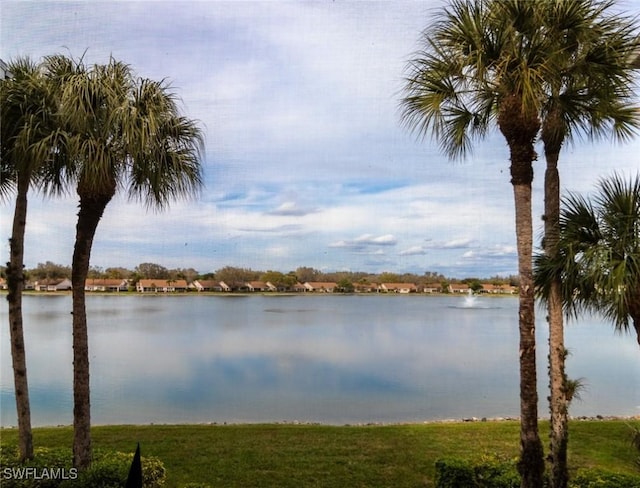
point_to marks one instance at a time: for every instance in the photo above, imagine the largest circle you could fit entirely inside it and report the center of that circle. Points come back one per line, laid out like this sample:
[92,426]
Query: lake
[323,358]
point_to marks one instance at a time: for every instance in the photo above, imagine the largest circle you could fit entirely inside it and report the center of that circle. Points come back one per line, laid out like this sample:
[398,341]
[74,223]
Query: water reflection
[334,359]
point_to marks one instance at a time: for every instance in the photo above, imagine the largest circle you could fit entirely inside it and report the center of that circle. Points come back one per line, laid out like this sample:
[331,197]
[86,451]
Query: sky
[306,162]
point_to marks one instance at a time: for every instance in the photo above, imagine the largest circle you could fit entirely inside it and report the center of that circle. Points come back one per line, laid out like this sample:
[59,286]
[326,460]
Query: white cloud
[495,253]
[291,209]
[384,240]
[306,163]
[462,243]
[414,251]
[365,241]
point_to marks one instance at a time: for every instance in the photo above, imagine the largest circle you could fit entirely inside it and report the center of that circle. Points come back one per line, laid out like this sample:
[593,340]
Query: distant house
[225,287]
[112,285]
[508,289]
[207,285]
[320,286]
[161,286]
[53,285]
[282,288]
[459,288]
[511,290]
[259,286]
[432,288]
[299,288]
[3,284]
[255,285]
[365,287]
[490,288]
[398,288]
[498,289]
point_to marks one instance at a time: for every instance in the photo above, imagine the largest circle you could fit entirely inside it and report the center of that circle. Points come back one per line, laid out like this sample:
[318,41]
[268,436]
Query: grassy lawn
[331,456]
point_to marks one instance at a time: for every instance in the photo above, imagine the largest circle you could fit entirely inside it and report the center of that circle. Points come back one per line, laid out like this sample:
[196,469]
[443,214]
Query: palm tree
[590,93]
[485,62]
[123,133]
[599,253]
[29,141]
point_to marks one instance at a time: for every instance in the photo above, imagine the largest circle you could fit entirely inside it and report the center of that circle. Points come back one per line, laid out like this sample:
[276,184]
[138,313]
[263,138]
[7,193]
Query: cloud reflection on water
[332,359]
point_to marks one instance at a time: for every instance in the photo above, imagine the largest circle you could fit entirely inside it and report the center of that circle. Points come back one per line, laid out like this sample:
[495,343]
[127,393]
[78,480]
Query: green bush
[108,470]
[196,485]
[454,473]
[45,470]
[495,473]
[488,472]
[104,473]
[594,478]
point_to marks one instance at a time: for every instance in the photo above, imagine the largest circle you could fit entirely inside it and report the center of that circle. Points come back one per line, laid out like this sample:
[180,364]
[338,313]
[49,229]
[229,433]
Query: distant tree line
[236,275]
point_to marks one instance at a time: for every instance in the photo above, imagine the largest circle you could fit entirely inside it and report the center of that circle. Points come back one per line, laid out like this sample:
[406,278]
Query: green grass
[331,456]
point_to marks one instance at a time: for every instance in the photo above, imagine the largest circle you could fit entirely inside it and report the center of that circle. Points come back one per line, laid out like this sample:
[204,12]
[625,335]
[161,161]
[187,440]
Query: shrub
[594,478]
[452,473]
[635,441]
[108,470]
[45,470]
[488,472]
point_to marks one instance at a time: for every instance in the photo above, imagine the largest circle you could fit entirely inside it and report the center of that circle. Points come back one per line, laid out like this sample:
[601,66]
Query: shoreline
[448,421]
[260,293]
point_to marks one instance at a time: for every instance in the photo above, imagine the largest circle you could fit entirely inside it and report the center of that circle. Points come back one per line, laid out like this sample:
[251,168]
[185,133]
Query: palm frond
[30,124]
[592,82]
[449,92]
[164,147]
[599,252]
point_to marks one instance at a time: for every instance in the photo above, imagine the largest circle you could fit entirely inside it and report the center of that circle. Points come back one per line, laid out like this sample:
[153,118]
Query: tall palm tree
[123,133]
[599,253]
[29,141]
[589,93]
[483,63]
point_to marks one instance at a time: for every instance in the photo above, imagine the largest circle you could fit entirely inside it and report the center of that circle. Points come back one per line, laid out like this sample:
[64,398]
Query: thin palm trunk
[558,401]
[558,404]
[532,456]
[91,210]
[15,284]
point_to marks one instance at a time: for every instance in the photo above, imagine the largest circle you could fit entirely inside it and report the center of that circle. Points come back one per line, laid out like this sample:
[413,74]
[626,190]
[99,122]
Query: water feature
[470,300]
[331,359]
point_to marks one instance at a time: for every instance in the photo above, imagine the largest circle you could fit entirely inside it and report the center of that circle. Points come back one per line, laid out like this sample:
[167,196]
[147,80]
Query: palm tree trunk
[532,455]
[558,403]
[91,210]
[520,129]
[15,284]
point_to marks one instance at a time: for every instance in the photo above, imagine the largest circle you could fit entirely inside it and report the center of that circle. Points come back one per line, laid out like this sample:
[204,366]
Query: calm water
[330,359]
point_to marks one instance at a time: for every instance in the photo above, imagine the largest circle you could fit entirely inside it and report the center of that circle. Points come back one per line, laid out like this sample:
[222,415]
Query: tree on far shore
[236,277]
[151,271]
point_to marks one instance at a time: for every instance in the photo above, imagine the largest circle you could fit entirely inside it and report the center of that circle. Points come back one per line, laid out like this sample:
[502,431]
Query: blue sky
[306,161]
